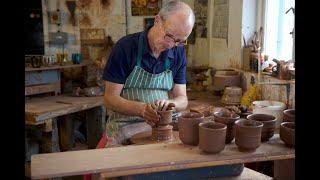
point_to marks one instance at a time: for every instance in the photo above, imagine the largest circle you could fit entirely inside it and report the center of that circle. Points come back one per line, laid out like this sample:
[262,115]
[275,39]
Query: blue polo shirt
[123,59]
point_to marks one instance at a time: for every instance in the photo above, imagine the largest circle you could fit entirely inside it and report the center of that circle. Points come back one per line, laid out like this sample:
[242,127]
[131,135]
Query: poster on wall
[200,11]
[220,19]
[145,7]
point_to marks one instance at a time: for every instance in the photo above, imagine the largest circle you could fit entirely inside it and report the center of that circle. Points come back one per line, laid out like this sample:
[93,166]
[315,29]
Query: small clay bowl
[269,124]
[287,131]
[188,125]
[212,136]
[248,134]
[208,116]
[165,117]
[227,119]
[289,115]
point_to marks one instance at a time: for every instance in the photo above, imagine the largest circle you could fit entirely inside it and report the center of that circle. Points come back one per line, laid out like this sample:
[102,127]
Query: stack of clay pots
[232,95]
[287,128]
[162,131]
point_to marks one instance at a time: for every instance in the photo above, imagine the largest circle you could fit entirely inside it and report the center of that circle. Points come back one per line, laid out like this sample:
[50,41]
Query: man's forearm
[181,102]
[124,106]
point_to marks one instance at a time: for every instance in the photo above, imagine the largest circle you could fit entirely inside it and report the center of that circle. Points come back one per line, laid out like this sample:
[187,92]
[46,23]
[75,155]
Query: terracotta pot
[165,117]
[208,116]
[269,124]
[289,115]
[228,119]
[162,133]
[248,134]
[188,125]
[212,136]
[287,133]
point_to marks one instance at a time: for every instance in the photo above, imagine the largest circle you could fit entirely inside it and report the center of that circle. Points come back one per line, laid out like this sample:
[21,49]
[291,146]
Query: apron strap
[141,48]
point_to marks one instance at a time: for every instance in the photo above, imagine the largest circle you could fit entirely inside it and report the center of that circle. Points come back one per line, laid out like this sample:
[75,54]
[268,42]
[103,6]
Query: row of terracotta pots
[223,127]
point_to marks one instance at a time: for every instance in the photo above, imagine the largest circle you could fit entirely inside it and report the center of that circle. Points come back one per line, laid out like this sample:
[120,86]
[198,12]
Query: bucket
[274,108]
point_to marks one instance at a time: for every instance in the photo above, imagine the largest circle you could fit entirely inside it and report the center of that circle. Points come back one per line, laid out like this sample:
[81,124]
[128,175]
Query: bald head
[178,9]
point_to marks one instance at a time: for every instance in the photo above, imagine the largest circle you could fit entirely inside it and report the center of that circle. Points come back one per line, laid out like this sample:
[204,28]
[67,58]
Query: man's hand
[163,105]
[150,115]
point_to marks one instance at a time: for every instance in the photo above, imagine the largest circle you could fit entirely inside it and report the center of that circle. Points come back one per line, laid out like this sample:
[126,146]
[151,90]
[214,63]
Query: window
[279,27]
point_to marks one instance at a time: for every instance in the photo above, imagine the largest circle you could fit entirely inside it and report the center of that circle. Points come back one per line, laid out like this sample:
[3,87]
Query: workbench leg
[66,133]
[32,136]
[284,169]
[95,125]
[50,140]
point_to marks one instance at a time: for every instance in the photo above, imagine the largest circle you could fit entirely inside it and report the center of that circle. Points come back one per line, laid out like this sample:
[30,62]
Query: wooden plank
[50,140]
[120,161]
[54,67]
[44,88]
[39,109]
[66,133]
[95,125]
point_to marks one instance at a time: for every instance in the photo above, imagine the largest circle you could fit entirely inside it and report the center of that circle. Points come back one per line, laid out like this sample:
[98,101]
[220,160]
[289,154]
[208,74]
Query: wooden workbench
[44,112]
[129,160]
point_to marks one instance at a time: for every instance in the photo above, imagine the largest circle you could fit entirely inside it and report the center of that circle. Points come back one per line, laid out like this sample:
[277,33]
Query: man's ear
[157,19]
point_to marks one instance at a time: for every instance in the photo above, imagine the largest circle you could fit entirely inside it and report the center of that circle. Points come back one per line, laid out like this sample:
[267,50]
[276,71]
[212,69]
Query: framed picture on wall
[148,22]
[145,7]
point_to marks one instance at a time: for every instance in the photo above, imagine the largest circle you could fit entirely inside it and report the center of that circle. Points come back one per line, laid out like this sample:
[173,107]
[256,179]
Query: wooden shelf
[54,67]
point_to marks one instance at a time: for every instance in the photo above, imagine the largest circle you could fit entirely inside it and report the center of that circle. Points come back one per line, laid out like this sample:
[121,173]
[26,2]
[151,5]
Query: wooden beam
[50,140]
[47,126]
[66,132]
[95,125]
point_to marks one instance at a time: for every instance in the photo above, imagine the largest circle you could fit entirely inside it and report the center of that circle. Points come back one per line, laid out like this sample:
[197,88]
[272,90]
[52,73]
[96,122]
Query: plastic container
[274,108]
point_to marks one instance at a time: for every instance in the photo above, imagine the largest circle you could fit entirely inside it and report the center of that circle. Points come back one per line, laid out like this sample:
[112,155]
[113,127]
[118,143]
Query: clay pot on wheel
[269,124]
[165,117]
[227,118]
[188,125]
[287,131]
[248,134]
[289,115]
[212,136]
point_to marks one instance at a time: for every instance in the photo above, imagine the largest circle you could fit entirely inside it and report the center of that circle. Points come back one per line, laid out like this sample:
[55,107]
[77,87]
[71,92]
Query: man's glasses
[169,37]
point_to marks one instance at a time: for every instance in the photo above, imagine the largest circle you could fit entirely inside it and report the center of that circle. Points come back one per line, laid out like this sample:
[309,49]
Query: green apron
[141,86]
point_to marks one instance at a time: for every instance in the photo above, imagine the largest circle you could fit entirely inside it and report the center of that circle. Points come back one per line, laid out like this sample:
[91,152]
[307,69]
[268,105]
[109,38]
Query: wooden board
[39,109]
[149,158]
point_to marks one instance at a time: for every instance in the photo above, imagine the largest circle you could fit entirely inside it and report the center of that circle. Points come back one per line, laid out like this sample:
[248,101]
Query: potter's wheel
[145,138]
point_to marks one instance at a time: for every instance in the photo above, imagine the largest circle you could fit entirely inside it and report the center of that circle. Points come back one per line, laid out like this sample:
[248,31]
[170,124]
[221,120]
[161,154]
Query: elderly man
[147,71]
[144,68]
